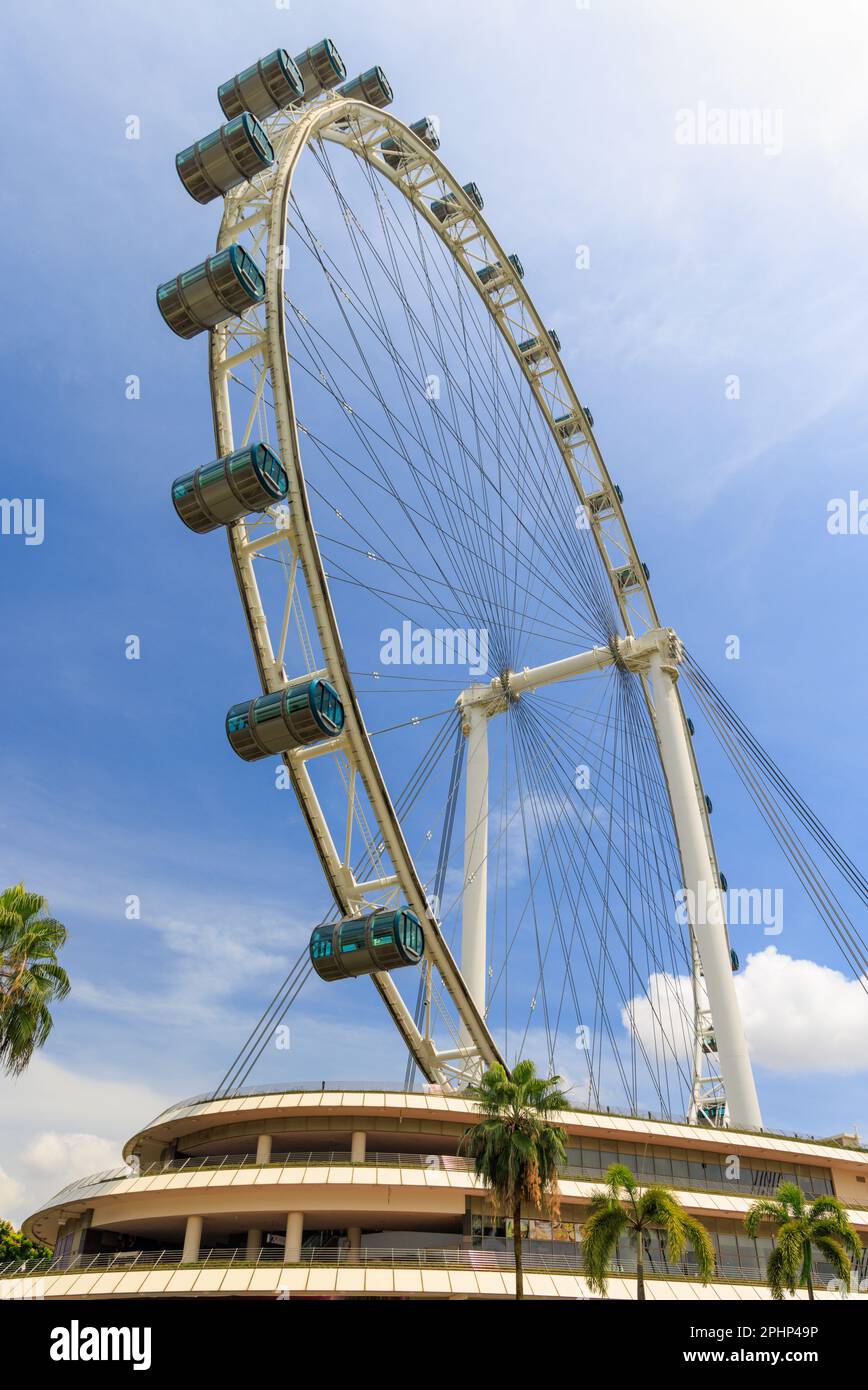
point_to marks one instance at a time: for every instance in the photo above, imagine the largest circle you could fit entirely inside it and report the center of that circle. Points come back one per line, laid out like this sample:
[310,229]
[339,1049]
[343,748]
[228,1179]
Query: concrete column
[263,1148]
[294,1233]
[358,1146]
[354,1235]
[254,1243]
[192,1240]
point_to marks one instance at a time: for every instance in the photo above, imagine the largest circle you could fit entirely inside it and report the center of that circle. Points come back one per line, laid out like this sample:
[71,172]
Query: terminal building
[293,1193]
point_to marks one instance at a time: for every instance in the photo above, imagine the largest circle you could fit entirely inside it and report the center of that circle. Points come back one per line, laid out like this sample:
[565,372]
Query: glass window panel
[663,1167]
[352,936]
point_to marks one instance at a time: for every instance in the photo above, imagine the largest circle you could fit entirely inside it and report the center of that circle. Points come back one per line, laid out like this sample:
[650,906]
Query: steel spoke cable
[632,919]
[811,821]
[819,890]
[560,476]
[604,1015]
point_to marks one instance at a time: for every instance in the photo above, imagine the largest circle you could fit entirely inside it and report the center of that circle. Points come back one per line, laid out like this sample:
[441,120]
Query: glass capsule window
[269,708]
[236,719]
[329,705]
[411,933]
[211,473]
[321,946]
[188,277]
[352,936]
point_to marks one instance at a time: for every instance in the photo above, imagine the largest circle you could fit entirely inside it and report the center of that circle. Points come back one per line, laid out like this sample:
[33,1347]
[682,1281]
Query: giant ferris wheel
[461,668]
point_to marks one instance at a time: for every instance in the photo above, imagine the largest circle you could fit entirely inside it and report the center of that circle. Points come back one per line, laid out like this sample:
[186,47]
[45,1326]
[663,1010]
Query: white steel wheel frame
[259,208]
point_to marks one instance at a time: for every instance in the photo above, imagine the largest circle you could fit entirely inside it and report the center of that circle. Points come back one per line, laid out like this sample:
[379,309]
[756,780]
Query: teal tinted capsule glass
[371,86]
[222,492]
[224,286]
[281,720]
[449,206]
[395,154]
[387,940]
[269,85]
[229,156]
[321,68]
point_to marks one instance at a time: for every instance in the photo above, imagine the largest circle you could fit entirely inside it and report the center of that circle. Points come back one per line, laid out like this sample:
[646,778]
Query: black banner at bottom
[160,1336]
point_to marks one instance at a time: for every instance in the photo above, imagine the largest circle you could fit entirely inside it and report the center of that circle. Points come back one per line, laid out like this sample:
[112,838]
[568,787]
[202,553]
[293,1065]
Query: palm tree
[652,1208]
[30,977]
[801,1226]
[515,1150]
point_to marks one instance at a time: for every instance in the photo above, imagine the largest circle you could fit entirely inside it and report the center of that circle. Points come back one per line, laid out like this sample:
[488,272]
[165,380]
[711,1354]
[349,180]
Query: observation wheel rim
[364,129]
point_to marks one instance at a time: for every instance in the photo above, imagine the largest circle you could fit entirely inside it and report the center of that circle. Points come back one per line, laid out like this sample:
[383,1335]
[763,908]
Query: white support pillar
[702,884]
[254,1243]
[358,1146]
[192,1240]
[263,1148]
[473,916]
[294,1233]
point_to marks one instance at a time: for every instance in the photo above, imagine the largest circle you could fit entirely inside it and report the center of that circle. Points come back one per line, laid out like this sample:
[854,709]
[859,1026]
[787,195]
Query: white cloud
[68,1156]
[665,1009]
[802,1017]
[61,1124]
[11,1194]
[799,1017]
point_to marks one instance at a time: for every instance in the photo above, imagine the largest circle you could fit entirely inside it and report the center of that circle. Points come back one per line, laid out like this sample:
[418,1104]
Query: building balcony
[451,1271]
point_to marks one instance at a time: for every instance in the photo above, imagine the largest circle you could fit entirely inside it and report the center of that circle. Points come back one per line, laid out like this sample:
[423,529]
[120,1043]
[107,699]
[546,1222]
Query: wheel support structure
[656,656]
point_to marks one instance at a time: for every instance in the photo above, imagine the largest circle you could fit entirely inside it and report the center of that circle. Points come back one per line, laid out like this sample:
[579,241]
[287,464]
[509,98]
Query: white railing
[566,1261]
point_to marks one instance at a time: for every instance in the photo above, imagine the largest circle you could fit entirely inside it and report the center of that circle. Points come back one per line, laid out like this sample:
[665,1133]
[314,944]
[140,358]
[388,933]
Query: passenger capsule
[395,154]
[362,945]
[303,713]
[321,68]
[495,271]
[222,287]
[268,86]
[570,425]
[225,158]
[708,806]
[250,480]
[602,503]
[733,960]
[723,883]
[371,86]
[449,206]
[535,349]
[627,578]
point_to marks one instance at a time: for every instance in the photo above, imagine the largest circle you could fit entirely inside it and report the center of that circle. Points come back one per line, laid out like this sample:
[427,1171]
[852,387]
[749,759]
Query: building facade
[325,1194]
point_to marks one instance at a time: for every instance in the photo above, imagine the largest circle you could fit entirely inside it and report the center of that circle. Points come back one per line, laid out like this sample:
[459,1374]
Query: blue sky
[705,262]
